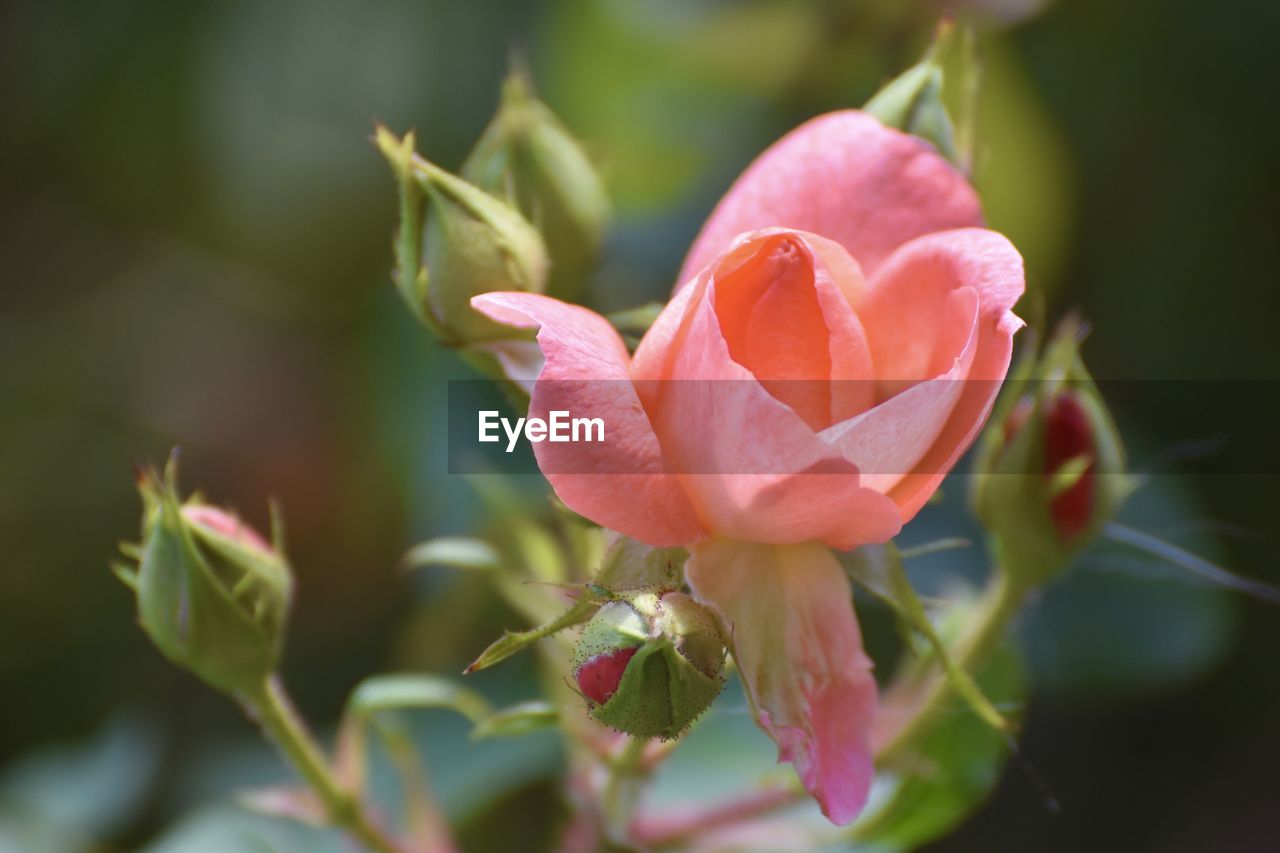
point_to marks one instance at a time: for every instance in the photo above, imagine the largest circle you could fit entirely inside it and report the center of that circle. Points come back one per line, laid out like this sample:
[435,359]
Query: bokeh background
[195,238]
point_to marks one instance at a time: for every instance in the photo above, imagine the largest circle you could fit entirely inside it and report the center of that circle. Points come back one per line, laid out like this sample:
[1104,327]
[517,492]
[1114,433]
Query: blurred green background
[195,238]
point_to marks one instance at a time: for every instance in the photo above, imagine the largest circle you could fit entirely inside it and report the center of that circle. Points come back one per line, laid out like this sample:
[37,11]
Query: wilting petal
[907,294]
[789,611]
[621,482]
[845,176]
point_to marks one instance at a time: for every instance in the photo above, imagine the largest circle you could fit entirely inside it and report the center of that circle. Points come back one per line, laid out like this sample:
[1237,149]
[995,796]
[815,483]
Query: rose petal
[845,176]
[911,288]
[751,465]
[789,611]
[622,482]
[888,441]
[773,324]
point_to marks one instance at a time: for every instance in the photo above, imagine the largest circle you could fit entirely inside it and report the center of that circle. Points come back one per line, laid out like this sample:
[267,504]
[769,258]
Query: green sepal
[661,694]
[675,673]
[512,642]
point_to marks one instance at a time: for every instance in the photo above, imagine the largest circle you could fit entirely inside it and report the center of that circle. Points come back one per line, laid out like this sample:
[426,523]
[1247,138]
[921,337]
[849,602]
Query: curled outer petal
[621,482]
[846,176]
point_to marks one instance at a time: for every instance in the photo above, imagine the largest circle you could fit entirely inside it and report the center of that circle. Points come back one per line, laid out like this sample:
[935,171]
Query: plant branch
[1001,602]
[271,707]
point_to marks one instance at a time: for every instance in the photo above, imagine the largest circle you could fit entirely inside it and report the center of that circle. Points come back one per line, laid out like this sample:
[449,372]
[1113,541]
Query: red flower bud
[1068,435]
[599,677]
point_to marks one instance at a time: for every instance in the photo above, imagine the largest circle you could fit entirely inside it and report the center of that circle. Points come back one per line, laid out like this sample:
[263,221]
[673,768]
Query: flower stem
[1001,602]
[622,789]
[271,707]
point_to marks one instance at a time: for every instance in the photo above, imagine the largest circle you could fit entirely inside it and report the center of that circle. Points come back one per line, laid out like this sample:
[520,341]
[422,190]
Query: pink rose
[865,324]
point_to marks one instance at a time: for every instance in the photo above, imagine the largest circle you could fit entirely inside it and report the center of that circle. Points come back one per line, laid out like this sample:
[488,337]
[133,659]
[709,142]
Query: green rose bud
[912,101]
[528,157]
[650,666]
[1051,470]
[457,241]
[212,594]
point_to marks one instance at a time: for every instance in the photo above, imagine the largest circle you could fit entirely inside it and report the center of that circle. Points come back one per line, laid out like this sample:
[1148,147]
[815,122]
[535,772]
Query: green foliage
[953,768]
[516,720]
[879,568]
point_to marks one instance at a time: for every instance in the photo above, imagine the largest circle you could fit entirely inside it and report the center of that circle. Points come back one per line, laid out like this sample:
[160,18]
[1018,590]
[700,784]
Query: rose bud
[912,101]
[650,666]
[1052,471]
[212,593]
[528,157]
[458,241]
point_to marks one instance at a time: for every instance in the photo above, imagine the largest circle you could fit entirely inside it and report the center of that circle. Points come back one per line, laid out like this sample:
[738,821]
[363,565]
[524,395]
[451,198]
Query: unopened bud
[458,241]
[650,666]
[212,593]
[1051,472]
[528,157]
[912,101]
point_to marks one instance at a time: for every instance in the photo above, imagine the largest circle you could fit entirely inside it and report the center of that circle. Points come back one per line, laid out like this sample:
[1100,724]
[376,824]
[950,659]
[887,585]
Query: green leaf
[958,763]
[401,692]
[520,719]
[453,551]
[513,641]
[880,569]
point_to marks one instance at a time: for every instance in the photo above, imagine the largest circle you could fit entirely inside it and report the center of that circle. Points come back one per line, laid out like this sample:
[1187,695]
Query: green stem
[271,707]
[1001,602]
[622,790]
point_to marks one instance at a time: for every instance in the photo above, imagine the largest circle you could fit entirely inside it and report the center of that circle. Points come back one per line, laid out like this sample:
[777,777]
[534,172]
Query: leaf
[454,551]
[520,719]
[382,693]
[879,568]
[513,641]
[957,764]
[402,692]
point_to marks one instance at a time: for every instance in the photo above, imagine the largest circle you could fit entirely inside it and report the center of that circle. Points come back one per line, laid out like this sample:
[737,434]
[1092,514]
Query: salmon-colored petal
[773,324]
[909,293]
[839,285]
[752,466]
[795,638]
[888,441]
[845,176]
[621,482]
